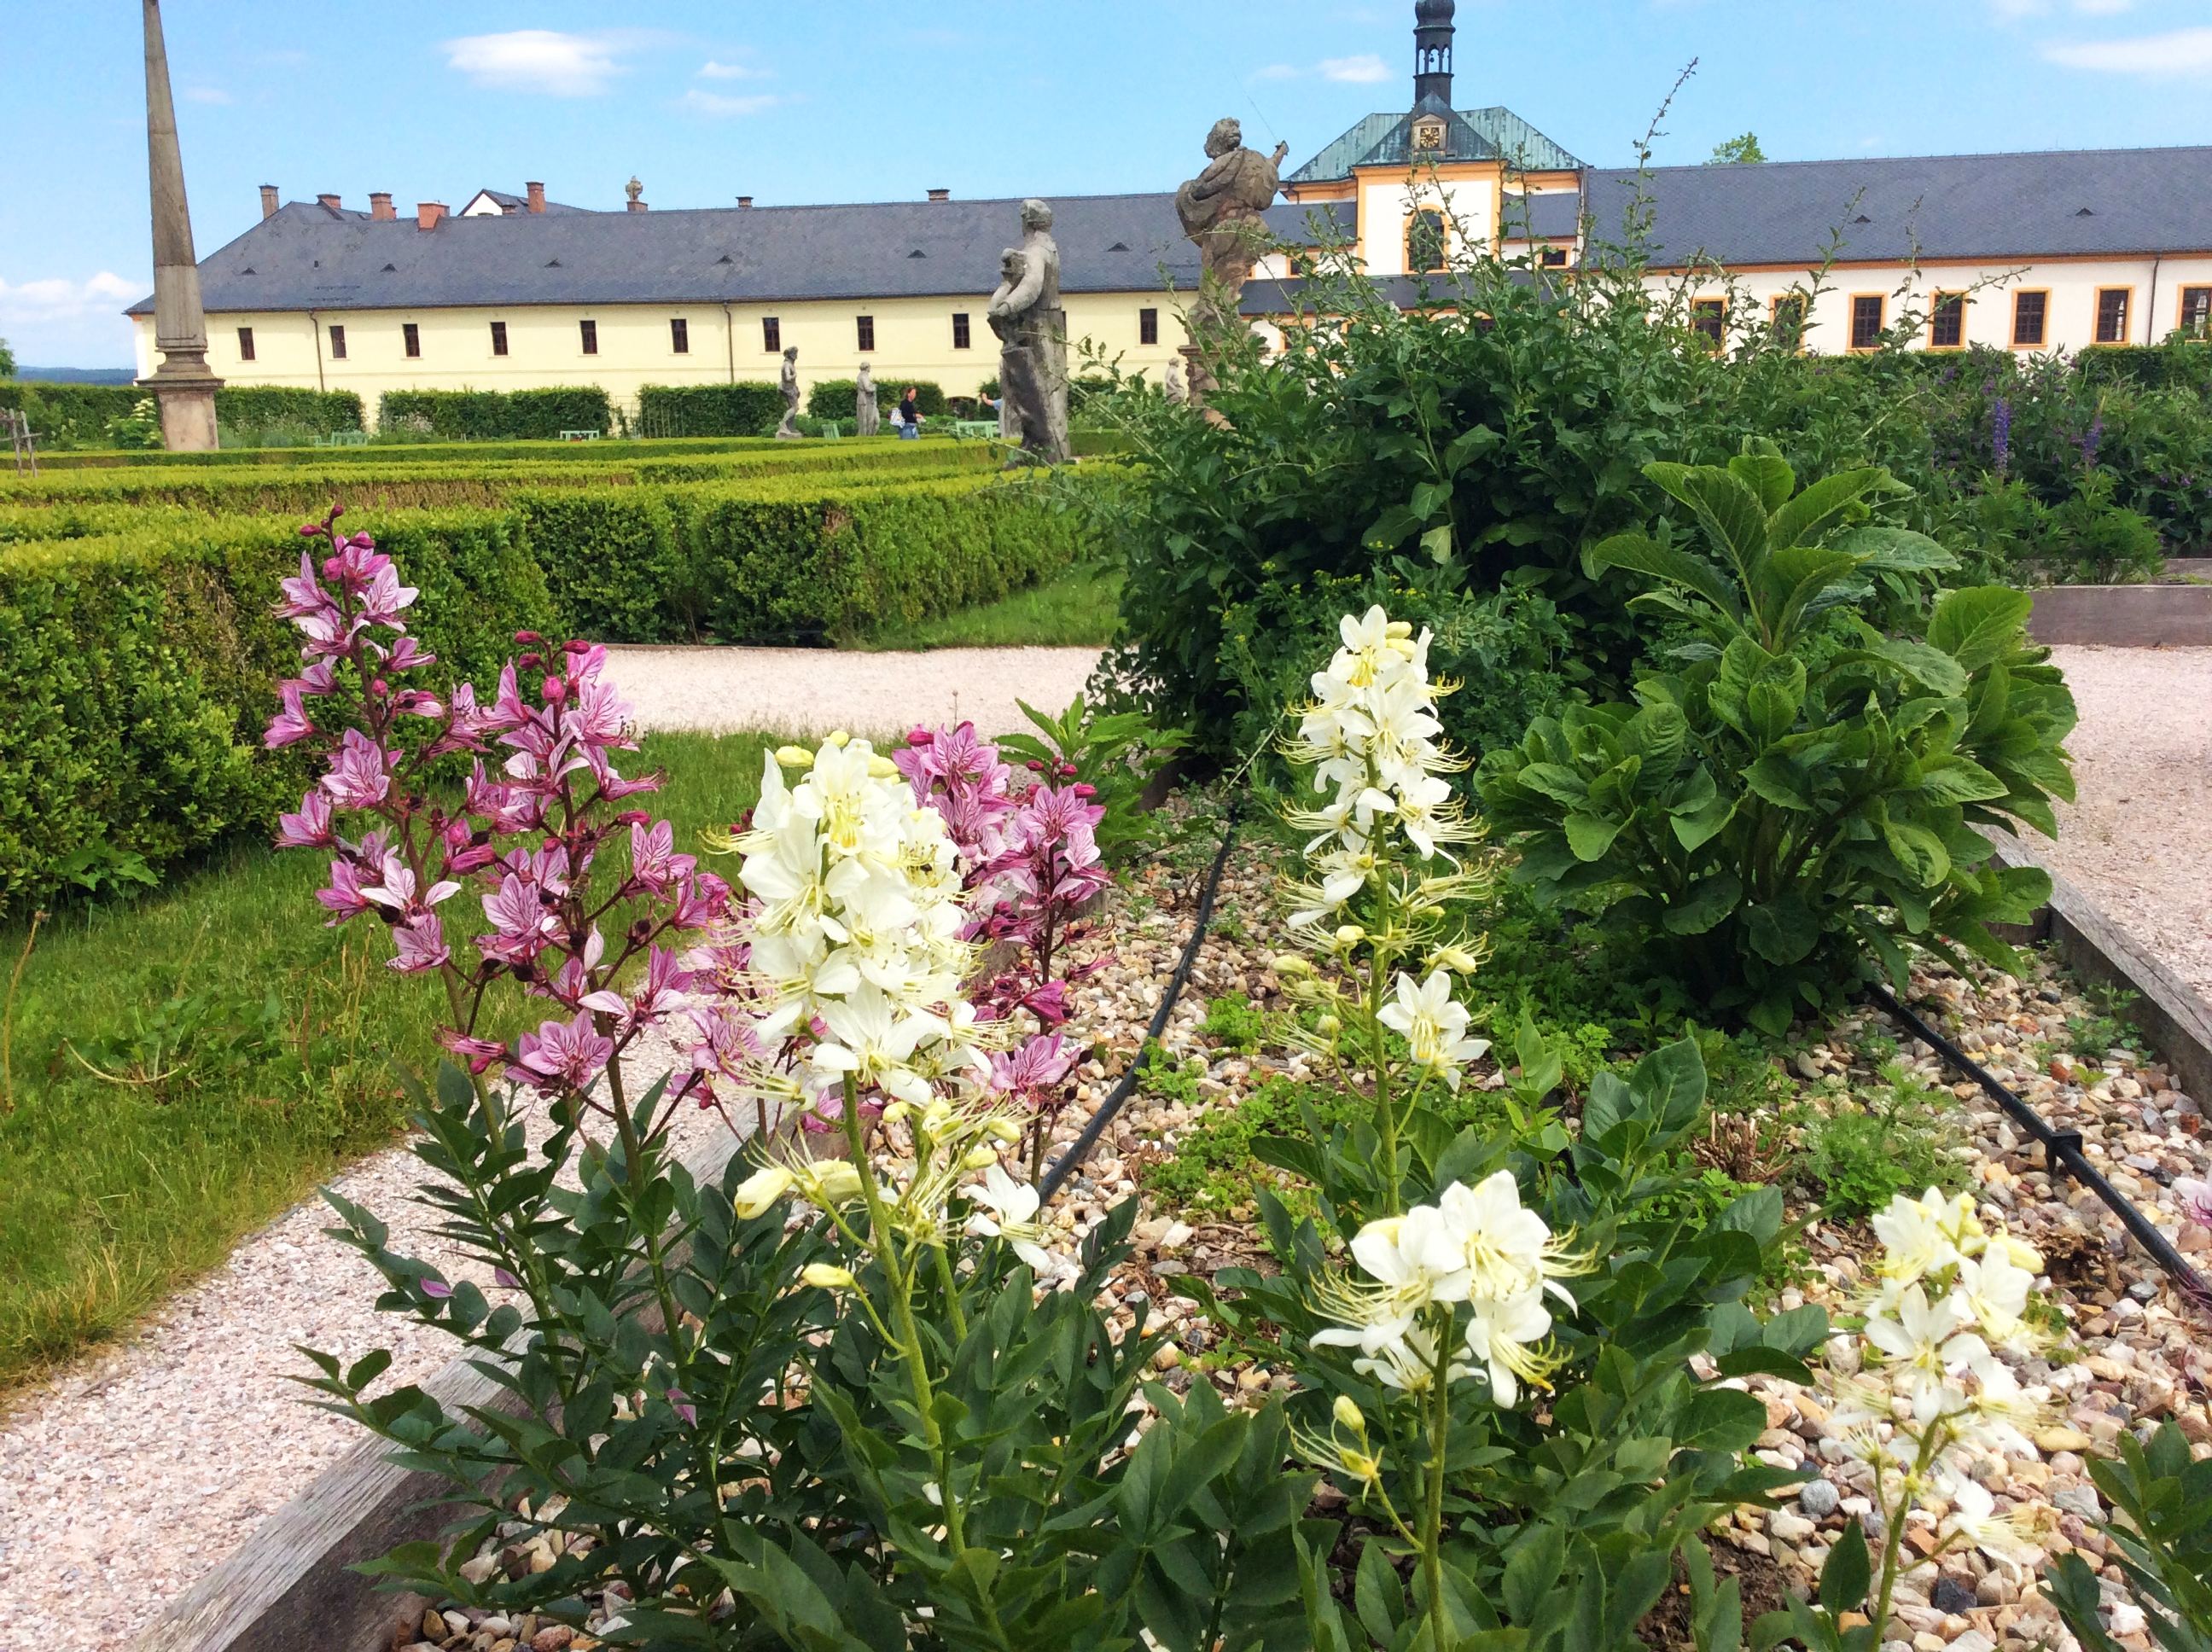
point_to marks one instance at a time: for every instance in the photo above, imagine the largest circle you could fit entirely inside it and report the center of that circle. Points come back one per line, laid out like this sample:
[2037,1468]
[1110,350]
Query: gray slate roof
[521,203]
[306,256]
[1386,140]
[1991,207]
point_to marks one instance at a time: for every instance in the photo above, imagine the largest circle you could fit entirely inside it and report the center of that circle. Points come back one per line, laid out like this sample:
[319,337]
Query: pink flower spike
[291,724]
[344,898]
[479,1054]
[421,947]
[563,1055]
[360,774]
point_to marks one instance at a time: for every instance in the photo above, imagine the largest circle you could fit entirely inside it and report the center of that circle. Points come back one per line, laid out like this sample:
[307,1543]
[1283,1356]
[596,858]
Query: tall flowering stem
[1374,912]
[1029,859]
[1949,1299]
[530,837]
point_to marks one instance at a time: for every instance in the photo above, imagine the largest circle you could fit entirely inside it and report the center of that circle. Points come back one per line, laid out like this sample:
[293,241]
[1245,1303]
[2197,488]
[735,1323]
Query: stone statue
[634,190]
[865,420]
[184,388]
[1221,209]
[788,430]
[1026,314]
[1176,392]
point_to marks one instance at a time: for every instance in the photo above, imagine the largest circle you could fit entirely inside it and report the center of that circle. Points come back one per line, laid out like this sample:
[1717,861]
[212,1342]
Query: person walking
[907,415]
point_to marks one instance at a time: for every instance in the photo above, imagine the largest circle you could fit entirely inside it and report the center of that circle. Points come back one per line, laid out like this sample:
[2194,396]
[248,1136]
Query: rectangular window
[2197,312]
[590,329]
[411,335]
[1709,316]
[246,343]
[962,339]
[1555,257]
[679,336]
[499,339]
[1866,321]
[1148,326]
[864,326]
[1787,318]
[771,335]
[337,342]
[2031,316]
[2113,306]
[1946,322]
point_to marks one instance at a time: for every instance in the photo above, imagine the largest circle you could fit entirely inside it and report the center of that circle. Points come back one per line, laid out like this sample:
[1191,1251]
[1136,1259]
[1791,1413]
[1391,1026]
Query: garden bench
[343,439]
[579,435]
[975,429]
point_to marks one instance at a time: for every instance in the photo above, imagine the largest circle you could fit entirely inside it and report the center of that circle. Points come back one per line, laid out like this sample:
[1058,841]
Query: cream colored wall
[1386,204]
[913,340]
[2073,285]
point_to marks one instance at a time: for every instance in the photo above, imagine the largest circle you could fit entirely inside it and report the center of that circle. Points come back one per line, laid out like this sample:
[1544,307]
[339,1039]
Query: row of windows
[1947,318]
[679,336]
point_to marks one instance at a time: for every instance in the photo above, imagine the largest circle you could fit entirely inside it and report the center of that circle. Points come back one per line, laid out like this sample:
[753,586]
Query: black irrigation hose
[1079,1149]
[2062,1152]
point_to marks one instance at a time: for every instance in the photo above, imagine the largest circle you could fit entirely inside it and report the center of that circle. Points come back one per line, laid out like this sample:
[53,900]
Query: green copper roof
[1386,140]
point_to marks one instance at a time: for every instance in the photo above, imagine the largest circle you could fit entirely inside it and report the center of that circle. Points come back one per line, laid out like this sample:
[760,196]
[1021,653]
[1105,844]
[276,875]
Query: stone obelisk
[181,383]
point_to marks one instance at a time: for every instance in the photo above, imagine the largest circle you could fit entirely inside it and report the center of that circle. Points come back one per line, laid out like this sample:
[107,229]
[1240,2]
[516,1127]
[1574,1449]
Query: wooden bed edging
[2123,615]
[2169,1011]
[291,1588]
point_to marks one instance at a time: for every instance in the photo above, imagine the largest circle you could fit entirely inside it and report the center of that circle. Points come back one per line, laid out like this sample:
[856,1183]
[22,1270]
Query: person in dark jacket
[907,416]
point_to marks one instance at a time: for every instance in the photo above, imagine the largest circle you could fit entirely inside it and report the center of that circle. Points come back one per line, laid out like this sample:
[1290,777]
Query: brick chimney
[745,203]
[537,196]
[380,206]
[329,201]
[941,195]
[639,206]
[269,200]
[427,213]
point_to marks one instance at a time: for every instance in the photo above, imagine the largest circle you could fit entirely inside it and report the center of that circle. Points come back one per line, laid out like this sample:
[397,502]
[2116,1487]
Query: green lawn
[1075,609]
[188,1064]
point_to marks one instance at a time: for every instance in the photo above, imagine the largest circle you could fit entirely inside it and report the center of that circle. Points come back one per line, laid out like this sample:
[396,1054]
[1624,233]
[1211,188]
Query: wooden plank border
[290,1586]
[2123,615]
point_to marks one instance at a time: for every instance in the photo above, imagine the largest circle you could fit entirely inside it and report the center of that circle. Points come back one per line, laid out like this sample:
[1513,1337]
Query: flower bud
[839,738]
[758,1191]
[881,768]
[1290,964]
[1348,1415]
[1350,935]
[897,1111]
[1398,628]
[979,1158]
[830,1181]
[823,1276]
[1328,1026]
[794,757]
[1005,1130]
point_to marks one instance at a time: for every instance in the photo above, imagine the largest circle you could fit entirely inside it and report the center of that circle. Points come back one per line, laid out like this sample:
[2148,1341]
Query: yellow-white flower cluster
[1950,1294]
[1370,736]
[857,935]
[1480,1247]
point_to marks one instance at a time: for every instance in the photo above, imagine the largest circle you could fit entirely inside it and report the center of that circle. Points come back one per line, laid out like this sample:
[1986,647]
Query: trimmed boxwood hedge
[744,408]
[834,398]
[499,415]
[77,416]
[137,669]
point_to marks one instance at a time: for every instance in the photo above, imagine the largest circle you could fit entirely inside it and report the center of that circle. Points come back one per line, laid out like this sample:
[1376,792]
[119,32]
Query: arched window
[1427,241]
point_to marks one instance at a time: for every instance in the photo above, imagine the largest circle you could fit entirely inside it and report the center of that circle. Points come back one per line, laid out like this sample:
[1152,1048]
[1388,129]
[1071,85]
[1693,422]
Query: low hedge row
[137,669]
[745,409]
[77,416]
[138,659]
[499,414]
[837,398]
[410,452]
[2179,364]
[405,484]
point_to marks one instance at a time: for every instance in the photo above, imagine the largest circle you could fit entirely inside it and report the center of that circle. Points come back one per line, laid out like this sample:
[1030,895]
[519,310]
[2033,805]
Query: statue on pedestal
[1026,314]
[1221,211]
[788,430]
[1176,394]
[183,385]
[866,422]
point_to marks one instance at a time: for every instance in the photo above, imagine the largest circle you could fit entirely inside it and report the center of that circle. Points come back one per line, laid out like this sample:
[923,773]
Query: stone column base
[187,405]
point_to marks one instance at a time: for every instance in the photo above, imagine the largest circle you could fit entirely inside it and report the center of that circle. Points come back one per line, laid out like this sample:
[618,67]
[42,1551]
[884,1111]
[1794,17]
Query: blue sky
[861,100]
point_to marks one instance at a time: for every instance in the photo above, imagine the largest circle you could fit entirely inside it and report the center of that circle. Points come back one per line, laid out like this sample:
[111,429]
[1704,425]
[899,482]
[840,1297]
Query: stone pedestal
[187,405]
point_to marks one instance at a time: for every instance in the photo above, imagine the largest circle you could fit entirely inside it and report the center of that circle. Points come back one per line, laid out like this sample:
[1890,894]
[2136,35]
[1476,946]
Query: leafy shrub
[68,415]
[745,409]
[253,408]
[499,415]
[2163,1536]
[1117,754]
[1865,1151]
[833,399]
[1804,786]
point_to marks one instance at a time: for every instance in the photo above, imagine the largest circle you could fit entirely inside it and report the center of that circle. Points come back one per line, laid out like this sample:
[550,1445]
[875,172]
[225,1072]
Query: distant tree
[7,361]
[1737,151]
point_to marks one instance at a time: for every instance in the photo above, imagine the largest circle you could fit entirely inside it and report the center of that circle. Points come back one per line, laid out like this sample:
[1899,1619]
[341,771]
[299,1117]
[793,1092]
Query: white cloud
[214,94]
[57,298]
[711,71]
[538,60]
[2180,51]
[1366,70]
[715,103]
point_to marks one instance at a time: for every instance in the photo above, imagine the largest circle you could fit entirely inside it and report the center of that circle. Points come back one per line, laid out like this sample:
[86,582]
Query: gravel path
[813,690]
[2139,839]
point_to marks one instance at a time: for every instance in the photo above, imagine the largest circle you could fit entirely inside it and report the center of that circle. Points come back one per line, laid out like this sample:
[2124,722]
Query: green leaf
[1706,904]
[1640,554]
[1809,516]
[1775,779]
[1894,550]
[1980,624]
[1533,1572]
[1727,507]
[1781,931]
[1768,476]
[1919,851]
[1589,836]
[1850,1571]
[1438,542]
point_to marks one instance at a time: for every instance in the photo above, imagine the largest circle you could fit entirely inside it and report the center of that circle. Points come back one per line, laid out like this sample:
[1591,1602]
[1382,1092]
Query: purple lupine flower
[2001,437]
[2091,438]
